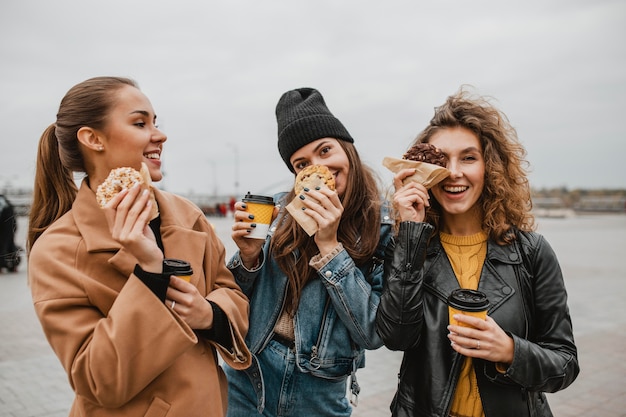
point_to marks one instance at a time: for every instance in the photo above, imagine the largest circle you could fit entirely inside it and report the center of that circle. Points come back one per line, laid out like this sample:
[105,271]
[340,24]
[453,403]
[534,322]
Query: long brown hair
[505,200]
[358,231]
[59,154]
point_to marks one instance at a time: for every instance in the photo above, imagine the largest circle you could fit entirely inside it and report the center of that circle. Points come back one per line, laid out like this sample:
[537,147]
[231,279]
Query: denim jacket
[335,320]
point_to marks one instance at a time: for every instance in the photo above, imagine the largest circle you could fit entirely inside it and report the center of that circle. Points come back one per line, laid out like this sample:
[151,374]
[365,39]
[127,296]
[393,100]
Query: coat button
[328,274]
[506,290]
[386,218]
[273,229]
[513,256]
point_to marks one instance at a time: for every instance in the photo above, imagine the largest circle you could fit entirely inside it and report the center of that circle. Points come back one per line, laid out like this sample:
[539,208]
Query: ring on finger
[173,304]
[477,343]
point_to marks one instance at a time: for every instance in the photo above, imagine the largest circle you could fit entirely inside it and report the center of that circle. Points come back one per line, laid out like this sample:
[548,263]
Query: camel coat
[124,351]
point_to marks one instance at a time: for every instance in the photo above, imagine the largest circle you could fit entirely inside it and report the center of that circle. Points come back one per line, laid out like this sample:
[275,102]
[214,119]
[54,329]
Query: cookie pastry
[314,176]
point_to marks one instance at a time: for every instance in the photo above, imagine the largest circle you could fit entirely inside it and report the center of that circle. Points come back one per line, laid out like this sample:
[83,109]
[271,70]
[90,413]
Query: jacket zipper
[315,361]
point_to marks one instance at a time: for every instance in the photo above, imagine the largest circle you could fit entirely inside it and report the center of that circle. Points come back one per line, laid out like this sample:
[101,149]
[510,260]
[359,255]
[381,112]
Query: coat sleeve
[400,315]
[98,349]
[228,296]
[548,361]
[355,297]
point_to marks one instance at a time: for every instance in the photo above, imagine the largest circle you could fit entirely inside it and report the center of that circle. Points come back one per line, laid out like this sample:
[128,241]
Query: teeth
[458,189]
[154,155]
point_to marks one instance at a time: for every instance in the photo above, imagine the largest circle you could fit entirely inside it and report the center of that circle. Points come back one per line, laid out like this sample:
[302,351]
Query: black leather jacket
[527,295]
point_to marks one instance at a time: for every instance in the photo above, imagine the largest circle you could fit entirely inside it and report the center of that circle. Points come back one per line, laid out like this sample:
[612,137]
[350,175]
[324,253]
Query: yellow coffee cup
[182,269]
[470,302]
[262,208]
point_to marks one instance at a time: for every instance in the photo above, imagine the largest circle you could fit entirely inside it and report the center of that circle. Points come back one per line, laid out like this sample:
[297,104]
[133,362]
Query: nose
[315,160]
[455,169]
[158,135]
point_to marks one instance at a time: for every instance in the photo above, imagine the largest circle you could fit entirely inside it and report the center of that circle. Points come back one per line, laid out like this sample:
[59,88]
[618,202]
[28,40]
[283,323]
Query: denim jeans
[288,392]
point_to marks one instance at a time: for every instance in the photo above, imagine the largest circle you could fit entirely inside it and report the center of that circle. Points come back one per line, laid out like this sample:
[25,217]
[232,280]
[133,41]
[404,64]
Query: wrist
[152,267]
[327,247]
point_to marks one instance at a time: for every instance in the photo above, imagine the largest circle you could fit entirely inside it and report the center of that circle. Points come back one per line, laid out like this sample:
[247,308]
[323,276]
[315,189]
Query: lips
[455,189]
[153,155]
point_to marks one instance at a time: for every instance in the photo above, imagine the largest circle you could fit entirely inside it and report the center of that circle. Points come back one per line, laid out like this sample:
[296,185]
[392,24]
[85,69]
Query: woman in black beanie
[313,299]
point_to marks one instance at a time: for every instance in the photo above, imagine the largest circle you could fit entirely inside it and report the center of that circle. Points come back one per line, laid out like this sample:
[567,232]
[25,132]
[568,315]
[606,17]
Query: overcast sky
[214,71]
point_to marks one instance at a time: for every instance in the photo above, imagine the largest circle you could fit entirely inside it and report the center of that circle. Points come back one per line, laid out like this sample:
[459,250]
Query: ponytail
[59,155]
[54,190]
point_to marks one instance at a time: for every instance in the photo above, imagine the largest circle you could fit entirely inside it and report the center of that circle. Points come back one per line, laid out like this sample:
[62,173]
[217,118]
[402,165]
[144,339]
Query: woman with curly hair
[474,230]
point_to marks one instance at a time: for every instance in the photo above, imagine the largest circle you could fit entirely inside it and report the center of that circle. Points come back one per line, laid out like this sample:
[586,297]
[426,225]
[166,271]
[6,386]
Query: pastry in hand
[314,176]
[427,160]
[126,177]
[310,177]
[425,152]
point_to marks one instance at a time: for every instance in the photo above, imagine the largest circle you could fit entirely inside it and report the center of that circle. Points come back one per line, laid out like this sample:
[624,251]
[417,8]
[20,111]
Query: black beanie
[302,118]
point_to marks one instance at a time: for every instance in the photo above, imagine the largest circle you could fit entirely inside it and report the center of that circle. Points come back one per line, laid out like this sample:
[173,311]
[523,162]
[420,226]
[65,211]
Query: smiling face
[131,136]
[459,194]
[328,152]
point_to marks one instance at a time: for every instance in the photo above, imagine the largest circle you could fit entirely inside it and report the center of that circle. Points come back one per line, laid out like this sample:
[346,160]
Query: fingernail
[251,216]
[244,206]
[306,188]
[301,197]
[318,188]
[252,224]
[303,208]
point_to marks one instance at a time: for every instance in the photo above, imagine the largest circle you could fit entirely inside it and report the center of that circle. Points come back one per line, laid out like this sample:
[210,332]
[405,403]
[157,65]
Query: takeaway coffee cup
[182,269]
[262,207]
[470,302]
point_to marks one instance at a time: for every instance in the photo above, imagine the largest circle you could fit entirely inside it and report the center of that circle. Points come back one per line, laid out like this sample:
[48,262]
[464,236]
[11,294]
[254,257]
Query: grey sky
[214,71]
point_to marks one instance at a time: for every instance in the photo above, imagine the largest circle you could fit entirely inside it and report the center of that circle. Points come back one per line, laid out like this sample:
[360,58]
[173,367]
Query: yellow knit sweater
[467,255]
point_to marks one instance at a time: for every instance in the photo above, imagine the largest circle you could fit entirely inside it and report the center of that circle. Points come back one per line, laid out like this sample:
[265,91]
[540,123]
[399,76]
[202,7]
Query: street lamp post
[214,177]
[236,150]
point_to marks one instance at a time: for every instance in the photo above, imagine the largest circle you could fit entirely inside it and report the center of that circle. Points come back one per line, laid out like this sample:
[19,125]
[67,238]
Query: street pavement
[33,384]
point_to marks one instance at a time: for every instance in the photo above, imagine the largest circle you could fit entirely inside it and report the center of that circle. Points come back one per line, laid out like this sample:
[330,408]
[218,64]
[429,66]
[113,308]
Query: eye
[300,165]
[140,124]
[325,150]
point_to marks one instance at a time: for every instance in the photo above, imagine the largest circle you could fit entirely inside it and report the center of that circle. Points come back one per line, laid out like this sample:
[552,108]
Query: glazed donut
[125,177]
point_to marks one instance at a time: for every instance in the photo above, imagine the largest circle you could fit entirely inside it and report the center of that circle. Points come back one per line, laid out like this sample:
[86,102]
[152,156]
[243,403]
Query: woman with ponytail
[133,340]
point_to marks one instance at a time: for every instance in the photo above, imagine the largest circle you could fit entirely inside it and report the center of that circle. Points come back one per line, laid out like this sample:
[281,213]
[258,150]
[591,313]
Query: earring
[100,148]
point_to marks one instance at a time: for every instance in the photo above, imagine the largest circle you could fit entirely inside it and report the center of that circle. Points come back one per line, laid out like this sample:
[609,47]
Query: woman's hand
[185,299]
[249,249]
[128,215]
[323,206]
[411,199]
[484,340]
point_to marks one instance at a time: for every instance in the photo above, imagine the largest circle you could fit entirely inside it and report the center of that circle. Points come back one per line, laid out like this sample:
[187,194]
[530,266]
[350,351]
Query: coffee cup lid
[262,199]
[176,267]
[468,300]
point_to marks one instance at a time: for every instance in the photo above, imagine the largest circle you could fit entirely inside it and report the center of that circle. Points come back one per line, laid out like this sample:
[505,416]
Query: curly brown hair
[506,202]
